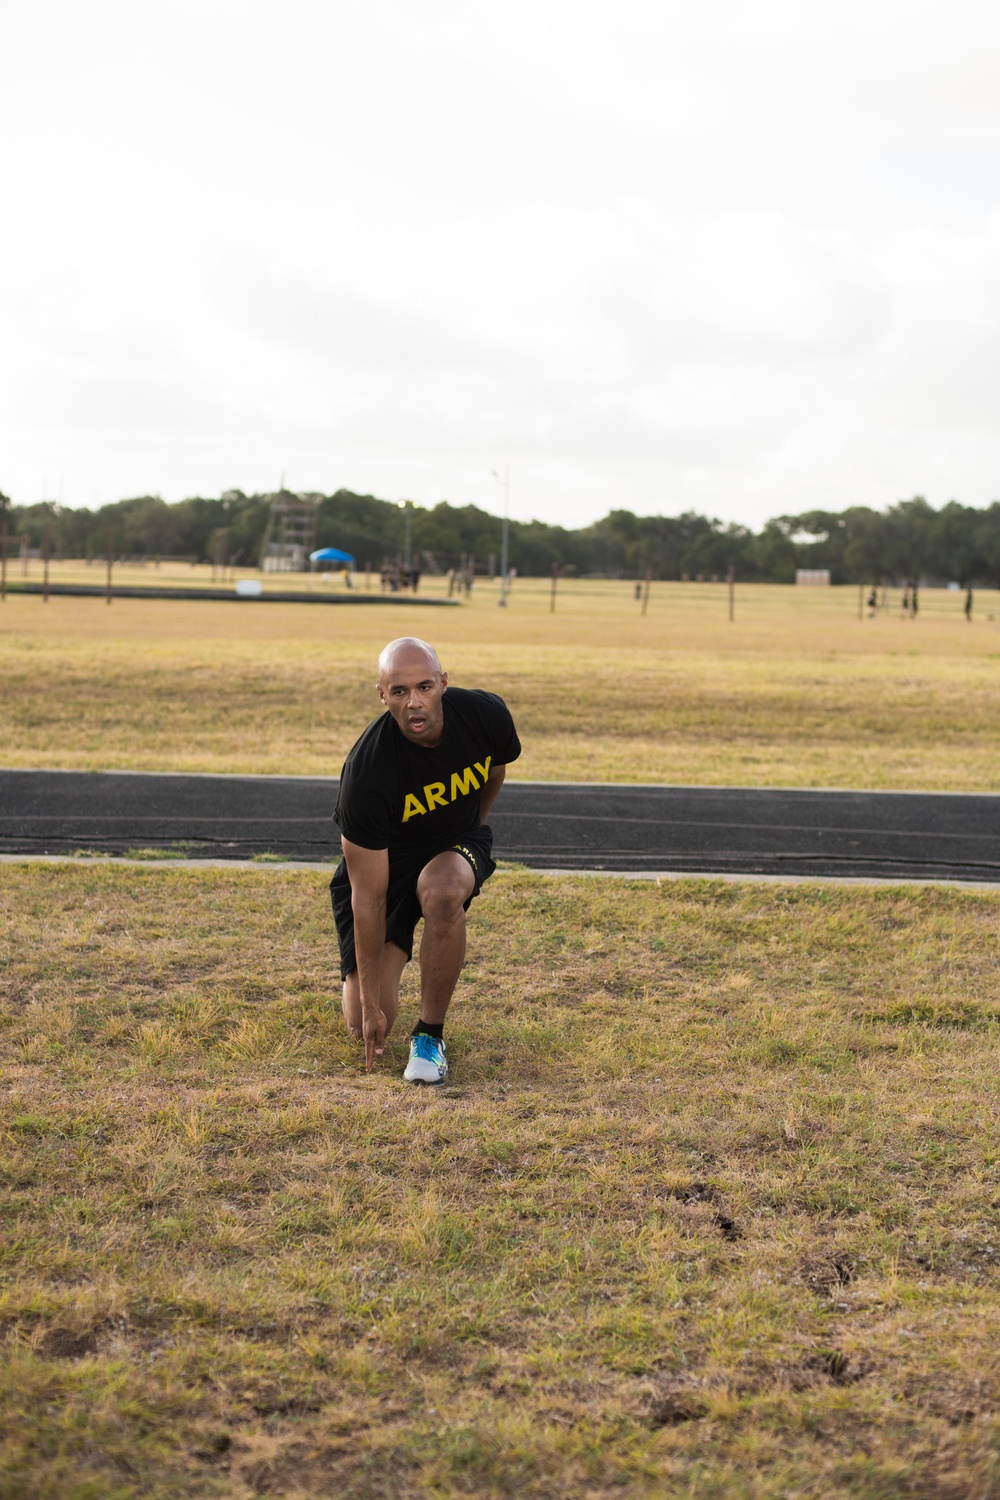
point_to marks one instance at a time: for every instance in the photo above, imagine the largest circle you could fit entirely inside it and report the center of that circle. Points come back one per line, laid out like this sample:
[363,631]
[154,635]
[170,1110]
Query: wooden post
[645,592]
[218,547]
[3,563]
[45,563]
[731,580]
[552,600]
[220,555]
[110,560]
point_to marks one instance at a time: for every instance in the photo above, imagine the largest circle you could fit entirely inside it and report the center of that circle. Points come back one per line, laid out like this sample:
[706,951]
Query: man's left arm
[490,791]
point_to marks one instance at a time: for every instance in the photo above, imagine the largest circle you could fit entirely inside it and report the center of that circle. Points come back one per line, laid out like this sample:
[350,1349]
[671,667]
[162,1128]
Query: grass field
[711,1207]
[796,691]
[710,1210]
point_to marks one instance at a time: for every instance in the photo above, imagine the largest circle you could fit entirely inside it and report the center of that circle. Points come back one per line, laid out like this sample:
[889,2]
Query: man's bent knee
[444,887]
[443,903]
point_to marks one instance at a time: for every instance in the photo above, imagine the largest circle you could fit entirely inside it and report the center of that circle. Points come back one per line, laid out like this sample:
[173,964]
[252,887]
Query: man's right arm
[369,873]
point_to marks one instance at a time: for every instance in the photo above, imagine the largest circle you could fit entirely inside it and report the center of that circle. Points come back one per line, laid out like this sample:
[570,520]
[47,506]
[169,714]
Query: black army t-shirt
[407,798]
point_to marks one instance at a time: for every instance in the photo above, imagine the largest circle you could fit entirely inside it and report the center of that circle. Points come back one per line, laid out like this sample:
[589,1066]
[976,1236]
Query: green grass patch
[180,849]
[710,1208]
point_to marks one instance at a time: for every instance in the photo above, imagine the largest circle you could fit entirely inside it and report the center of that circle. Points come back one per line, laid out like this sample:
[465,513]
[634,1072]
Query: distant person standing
[968,604]
[872,603]
[906,600]
[913,602]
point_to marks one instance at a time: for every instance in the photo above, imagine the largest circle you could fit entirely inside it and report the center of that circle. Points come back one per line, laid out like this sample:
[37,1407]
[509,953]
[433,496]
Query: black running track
[545,825]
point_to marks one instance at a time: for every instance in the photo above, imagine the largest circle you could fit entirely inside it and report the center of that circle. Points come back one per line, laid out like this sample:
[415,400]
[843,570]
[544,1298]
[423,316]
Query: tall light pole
[505,481]
[404,506]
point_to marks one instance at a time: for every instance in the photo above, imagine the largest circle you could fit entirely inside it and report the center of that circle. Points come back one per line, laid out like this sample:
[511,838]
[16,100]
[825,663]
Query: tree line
[909,540]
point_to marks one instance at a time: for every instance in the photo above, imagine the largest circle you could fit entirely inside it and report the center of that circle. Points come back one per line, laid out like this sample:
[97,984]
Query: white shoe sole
[431,1078]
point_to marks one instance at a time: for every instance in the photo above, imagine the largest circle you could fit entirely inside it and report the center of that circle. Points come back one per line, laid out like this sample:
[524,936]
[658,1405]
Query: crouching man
[415,793]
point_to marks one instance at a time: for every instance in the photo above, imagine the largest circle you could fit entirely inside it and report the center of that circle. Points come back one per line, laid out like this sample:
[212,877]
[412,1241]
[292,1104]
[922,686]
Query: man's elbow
[367,903]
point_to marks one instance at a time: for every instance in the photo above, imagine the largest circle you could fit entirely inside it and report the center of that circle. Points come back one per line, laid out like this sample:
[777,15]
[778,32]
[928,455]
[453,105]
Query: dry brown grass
[796,692]
[709,1211]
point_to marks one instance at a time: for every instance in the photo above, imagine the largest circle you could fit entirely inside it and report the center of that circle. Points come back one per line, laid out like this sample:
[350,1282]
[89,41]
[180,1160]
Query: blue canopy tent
[331,554]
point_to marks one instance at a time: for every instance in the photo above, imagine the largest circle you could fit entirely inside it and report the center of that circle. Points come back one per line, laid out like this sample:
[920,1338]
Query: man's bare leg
[394,961]
[445,884]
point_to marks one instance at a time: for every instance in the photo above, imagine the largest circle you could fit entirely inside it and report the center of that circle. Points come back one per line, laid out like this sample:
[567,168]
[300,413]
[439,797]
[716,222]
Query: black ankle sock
[429,1028]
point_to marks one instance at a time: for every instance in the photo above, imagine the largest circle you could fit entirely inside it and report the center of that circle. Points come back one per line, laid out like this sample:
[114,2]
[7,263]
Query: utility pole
[504,535]
[404,506]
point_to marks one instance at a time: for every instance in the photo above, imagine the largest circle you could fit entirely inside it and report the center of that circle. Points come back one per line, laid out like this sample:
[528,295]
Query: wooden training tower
[290,534]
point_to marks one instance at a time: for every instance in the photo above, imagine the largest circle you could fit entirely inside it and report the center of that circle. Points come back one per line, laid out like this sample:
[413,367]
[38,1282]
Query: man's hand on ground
[373,1026]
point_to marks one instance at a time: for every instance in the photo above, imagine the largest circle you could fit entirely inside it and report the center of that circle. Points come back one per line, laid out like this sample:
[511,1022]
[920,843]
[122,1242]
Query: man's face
[412,689]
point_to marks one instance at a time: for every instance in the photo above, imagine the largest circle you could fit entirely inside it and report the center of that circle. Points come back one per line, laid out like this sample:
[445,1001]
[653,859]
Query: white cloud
[736,258]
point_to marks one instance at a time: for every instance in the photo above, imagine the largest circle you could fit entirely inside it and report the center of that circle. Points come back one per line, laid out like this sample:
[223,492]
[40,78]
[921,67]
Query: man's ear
[378,689]
[444,681]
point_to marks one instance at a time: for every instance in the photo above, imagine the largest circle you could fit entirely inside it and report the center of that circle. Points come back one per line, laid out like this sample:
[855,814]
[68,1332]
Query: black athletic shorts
[402,908]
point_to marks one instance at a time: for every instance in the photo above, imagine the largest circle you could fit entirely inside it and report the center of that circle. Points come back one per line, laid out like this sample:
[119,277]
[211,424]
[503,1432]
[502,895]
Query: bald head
[410,649]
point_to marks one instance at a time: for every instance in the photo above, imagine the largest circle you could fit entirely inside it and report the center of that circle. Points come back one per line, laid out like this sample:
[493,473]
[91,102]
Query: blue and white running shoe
[428,1063]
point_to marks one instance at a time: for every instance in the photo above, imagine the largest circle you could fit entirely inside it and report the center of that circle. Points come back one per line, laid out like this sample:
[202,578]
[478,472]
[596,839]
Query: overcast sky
[741,258]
